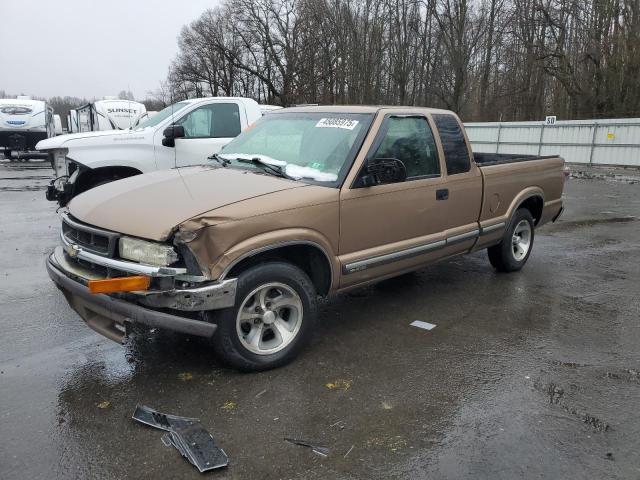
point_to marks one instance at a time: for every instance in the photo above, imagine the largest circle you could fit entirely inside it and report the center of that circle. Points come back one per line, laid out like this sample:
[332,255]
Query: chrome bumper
[107,314]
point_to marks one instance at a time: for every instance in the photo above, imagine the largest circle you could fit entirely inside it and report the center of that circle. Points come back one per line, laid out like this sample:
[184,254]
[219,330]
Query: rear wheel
[272,320]
[513,251]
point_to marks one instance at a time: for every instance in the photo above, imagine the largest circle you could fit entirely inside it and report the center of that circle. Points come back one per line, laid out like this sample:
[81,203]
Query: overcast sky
[90,48]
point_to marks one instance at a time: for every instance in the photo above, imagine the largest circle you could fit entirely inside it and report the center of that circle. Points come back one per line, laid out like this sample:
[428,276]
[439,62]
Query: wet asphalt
[528,375]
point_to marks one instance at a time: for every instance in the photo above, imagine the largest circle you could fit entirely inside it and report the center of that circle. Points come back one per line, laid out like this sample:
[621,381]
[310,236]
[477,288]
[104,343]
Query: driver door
[207,129]
[385,229]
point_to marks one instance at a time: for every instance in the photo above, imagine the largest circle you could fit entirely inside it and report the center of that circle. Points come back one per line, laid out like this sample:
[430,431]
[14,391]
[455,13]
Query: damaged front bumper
[60,189]
[108,314]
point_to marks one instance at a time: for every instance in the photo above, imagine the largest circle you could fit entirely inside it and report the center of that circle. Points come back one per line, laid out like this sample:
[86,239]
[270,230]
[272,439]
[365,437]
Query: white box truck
[183,134]
[23,123]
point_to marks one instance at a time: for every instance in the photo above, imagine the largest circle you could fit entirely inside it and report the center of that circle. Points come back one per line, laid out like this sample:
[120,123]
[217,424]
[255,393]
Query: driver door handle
[442,194]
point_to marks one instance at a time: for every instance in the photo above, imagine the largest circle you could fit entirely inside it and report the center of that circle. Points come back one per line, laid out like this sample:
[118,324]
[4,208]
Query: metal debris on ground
[424,325]
[163,421]
[324,451]
[197,445]
[340,424]
[349,451]
[187,435]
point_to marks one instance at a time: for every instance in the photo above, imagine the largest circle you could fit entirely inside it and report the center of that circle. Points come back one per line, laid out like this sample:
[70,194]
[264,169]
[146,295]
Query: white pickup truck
[185,133]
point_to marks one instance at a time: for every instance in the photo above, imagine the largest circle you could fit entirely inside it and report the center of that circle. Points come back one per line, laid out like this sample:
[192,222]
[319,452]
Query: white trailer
[109,114]
[72,121]
[57,123]
[23,123]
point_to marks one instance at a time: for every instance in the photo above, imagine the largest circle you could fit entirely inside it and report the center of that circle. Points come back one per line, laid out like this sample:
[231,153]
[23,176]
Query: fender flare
[272,241]
[522,197]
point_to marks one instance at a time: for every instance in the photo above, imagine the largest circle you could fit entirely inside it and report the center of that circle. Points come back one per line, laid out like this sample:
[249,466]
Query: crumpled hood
[152,205]
[97,138]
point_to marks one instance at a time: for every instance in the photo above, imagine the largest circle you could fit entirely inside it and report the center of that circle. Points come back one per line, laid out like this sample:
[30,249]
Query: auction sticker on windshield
[345,123]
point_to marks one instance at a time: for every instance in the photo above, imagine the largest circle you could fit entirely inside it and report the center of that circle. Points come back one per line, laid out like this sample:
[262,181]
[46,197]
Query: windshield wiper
[223,161]
[266,167]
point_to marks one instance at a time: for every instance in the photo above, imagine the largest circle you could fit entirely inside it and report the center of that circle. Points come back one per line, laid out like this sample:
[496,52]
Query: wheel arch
[87,177]
[309,256]
[532,199]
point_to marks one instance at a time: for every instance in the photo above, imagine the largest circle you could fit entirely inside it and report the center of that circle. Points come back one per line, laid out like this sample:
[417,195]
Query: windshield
[308,146]
[161,115]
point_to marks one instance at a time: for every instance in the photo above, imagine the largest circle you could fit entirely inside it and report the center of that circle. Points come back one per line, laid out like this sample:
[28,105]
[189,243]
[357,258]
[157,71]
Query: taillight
[566,173]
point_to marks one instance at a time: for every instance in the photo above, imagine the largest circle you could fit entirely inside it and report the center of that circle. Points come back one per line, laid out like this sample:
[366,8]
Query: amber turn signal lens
[122,284]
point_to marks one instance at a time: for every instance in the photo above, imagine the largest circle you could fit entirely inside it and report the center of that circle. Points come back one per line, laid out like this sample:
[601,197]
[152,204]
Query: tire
[254,335]
[511,255]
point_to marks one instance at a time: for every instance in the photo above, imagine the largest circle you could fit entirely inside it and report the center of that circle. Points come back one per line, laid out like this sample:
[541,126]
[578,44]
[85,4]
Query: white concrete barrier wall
[598,142]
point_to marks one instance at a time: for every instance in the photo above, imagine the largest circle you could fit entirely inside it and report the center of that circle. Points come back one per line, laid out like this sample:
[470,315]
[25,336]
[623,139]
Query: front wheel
[512,253]
[272,319]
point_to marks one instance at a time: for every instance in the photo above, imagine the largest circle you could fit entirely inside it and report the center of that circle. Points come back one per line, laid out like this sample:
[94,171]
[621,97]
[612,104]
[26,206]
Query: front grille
[95,240]
[97,269]
[90,241]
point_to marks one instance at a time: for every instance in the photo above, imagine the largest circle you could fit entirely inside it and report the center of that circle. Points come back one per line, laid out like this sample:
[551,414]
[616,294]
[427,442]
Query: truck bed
[486,159]
[507,176]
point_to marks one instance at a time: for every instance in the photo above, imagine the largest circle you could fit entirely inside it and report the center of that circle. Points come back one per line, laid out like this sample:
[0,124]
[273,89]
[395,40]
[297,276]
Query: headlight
[59,162]
[147,252]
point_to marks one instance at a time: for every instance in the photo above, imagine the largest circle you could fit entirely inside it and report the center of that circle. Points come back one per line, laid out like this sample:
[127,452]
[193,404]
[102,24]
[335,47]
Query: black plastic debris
[163,421]
[197,445]
[324,451]
[187,435]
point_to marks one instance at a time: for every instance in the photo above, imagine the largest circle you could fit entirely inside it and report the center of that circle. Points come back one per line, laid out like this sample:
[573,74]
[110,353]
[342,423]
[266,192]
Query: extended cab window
[456,154]
[410,140]
[216,120]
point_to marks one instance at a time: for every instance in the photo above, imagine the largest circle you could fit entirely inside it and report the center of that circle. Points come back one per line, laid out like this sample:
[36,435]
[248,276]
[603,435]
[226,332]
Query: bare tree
[485,59]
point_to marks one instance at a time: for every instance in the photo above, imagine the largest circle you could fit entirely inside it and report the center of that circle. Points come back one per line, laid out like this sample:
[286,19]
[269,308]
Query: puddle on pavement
[556,396]
[24,165]
[35,176]
[26,188]
[590,222]
[29,177]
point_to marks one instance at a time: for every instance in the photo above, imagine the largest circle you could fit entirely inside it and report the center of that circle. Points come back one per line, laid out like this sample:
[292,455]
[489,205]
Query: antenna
[175,154]
[129,104]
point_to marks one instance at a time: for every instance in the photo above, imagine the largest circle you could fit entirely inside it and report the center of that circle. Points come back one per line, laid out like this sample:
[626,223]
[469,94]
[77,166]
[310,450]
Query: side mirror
[171,133]
[384,170]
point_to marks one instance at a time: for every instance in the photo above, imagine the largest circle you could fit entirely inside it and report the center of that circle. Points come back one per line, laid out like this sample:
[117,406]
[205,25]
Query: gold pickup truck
[308,202]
